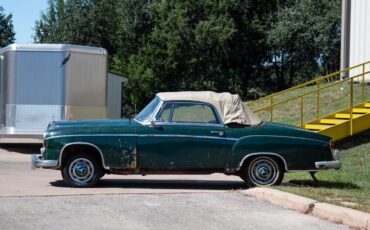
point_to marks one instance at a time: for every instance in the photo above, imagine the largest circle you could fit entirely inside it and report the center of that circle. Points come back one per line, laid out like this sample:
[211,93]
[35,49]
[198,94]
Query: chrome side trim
[189,124]
[82,143]
[142,135]
[92,135]
[292,137]
[189,136]
[264,153]
[131,135]
[174,135]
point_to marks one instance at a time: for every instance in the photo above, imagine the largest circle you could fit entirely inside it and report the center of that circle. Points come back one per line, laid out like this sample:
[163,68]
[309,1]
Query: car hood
[92,123]
[101,126]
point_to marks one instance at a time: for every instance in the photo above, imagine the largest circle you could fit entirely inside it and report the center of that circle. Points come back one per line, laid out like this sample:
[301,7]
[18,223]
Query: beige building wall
[114,95]
[359,36]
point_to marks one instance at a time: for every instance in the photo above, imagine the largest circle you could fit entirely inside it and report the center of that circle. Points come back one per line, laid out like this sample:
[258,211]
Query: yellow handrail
[307,93]
[308,83]
[351,109]
[273,102]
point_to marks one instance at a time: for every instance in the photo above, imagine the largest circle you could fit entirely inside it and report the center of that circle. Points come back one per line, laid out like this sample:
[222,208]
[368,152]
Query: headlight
[44,143]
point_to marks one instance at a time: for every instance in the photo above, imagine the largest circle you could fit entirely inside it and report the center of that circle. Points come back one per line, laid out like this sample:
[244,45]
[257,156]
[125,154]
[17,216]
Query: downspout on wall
[345,37]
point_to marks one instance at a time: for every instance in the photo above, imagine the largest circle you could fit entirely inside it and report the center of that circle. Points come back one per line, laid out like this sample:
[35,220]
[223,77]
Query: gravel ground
[225,210]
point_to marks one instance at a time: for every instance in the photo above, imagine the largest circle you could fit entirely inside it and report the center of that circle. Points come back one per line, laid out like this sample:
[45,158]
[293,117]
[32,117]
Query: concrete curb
[282,199]
[340,215]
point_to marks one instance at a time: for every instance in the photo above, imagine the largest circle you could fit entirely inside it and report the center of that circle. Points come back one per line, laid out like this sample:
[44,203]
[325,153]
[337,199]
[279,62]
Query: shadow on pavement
[164,184]
[22,148]
[324,184]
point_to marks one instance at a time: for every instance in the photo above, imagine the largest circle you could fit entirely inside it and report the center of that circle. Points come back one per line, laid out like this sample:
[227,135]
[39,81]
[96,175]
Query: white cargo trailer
[40,83]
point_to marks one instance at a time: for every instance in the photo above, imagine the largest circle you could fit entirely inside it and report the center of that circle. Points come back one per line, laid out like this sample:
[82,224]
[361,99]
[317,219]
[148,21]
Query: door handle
[220,133]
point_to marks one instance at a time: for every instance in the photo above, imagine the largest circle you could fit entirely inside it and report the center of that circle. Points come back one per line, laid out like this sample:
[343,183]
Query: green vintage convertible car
[187,133]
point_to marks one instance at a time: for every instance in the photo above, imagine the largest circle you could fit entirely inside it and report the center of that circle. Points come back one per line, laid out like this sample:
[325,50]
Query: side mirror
[154,125]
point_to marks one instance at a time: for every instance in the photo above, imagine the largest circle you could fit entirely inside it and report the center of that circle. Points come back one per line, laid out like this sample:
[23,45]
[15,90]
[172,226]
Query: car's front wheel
[81,170]
[262,171]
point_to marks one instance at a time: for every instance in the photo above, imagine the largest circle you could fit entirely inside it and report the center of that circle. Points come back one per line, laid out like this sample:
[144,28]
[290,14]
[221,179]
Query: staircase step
[367,105]
[346,115]
[332,121]
[317,126]
[361,110]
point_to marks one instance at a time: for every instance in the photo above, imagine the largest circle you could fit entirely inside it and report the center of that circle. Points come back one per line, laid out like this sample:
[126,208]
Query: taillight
[333,145]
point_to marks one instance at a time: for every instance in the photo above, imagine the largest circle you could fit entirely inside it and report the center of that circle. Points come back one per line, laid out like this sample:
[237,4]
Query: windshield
[148,111]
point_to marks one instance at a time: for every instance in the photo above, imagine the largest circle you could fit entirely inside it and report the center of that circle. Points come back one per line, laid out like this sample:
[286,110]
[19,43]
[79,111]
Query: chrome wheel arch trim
[264,154]
[82,143]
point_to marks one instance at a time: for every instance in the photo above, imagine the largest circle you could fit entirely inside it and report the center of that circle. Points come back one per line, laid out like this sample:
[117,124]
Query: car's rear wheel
[82,170]
[262,171]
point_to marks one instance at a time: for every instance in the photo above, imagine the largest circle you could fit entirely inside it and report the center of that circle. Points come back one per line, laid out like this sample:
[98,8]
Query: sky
[25,13]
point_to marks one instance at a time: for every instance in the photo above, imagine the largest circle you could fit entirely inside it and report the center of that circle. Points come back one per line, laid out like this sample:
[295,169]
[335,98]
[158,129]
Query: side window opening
[165,113]
[194,113]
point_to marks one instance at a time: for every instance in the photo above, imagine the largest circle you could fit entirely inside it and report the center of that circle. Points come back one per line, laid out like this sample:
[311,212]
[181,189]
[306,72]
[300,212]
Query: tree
[193,45]
[304,39]
[83,22]
[7,35]
[134,23]
[49,28]
[248,47]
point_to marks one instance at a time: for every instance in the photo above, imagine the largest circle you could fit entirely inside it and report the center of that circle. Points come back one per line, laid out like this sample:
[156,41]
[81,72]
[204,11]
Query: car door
[185,136]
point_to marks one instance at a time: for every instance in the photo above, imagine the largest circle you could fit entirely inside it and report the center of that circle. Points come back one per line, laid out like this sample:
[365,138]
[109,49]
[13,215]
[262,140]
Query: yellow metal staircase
[337,105]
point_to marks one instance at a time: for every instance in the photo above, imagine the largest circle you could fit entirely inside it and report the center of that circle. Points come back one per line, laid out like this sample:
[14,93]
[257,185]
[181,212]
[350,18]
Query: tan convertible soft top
[230,106]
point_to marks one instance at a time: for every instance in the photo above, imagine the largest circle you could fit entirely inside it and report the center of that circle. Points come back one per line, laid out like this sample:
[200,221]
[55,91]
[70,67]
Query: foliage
[304,38]
[7,35]
[195,45]
[85,22]
[249,47]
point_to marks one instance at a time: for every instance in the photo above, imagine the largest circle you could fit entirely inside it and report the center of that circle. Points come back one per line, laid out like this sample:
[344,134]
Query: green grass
[349,186]
[332,99]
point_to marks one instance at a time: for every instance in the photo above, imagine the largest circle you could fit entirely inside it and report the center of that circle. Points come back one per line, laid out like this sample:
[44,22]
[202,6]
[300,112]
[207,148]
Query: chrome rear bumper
[328,164]
[334,164]
[39,162]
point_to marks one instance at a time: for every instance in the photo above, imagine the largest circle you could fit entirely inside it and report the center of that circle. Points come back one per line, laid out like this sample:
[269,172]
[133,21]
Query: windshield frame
[155,105]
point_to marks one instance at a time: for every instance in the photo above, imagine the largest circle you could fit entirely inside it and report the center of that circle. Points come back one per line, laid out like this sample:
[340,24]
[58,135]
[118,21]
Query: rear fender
[295,152]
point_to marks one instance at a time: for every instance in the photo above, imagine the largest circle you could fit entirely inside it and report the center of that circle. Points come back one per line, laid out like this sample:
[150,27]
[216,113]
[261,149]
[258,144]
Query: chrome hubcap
[263,171]
[81,170]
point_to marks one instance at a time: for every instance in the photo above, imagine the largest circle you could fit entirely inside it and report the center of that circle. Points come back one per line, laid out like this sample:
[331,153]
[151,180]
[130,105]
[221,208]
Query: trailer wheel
[82,170]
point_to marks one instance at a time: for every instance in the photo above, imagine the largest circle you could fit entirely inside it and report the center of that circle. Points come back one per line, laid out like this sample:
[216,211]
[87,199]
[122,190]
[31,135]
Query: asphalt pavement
[38,199]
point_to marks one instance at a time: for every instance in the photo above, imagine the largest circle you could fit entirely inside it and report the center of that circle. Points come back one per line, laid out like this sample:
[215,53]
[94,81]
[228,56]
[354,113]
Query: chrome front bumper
[39,162]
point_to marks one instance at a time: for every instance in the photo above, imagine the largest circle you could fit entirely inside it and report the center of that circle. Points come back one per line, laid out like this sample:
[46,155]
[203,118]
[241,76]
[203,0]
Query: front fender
[116,151]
